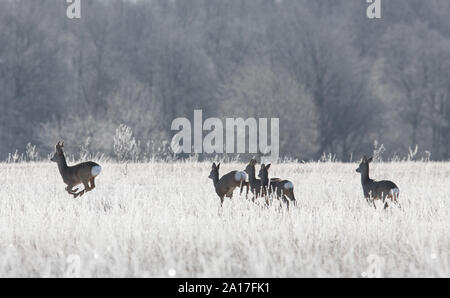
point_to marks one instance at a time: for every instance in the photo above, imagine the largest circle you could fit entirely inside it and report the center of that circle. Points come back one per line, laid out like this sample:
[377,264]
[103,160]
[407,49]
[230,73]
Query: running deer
[83,173]
[377,190]
[228,183]
[284,189]
[255,184]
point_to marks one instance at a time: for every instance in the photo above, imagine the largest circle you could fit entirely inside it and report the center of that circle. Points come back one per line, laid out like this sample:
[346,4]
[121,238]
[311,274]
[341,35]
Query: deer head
[58,151]
[214,174]
[264,172]
[251,166]
[364,165]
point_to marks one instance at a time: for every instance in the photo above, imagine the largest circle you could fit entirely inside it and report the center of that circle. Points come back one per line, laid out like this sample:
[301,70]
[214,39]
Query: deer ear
[370,160]
[268,166]
[62,144]
[218,165]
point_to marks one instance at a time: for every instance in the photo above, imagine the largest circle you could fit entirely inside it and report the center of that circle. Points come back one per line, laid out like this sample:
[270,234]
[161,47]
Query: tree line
[338,81]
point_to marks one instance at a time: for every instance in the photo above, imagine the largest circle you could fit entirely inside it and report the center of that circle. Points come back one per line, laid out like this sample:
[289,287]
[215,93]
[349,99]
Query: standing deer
[83,173]
[228,183]
[255,184]
[284,189]
[374,190]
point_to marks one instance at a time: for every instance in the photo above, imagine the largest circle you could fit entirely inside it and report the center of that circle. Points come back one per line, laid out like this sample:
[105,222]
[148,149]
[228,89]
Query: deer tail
[96,170]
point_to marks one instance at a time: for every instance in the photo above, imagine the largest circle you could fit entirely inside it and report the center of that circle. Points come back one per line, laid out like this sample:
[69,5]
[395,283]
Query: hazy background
[337,80]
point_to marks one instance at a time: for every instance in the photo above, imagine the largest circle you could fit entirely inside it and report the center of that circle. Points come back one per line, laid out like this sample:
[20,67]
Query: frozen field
[160,220]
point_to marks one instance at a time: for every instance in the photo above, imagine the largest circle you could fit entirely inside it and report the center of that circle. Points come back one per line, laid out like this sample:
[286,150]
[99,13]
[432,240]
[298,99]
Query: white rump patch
[288,185]
[240,176]
[96,170]
[395,191]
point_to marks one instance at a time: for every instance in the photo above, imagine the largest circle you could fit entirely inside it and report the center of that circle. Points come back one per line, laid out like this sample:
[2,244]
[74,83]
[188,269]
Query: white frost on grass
[153,220]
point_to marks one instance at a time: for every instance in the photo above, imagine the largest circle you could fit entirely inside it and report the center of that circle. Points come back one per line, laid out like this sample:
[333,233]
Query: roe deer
[227,184]
[83,173]
[374,190]
[255,184]
[284,189]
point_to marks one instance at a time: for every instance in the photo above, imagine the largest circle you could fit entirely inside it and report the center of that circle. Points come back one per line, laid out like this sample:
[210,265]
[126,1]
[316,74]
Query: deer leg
[229,194]
[280,201]
[85,190]
[385,202]
[291,197]
[394,199]
[398,204]
[286,201]
[70,190]
[293,201]
[246,194]
[74,192]
[79,194]
[242,189]
[92,182]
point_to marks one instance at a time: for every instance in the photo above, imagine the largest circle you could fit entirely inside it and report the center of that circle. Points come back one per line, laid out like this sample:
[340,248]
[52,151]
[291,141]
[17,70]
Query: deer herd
[283,190]
[262,188]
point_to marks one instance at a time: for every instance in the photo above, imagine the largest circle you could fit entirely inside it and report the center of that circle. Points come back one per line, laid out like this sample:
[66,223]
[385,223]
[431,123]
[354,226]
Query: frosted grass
[146,220]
